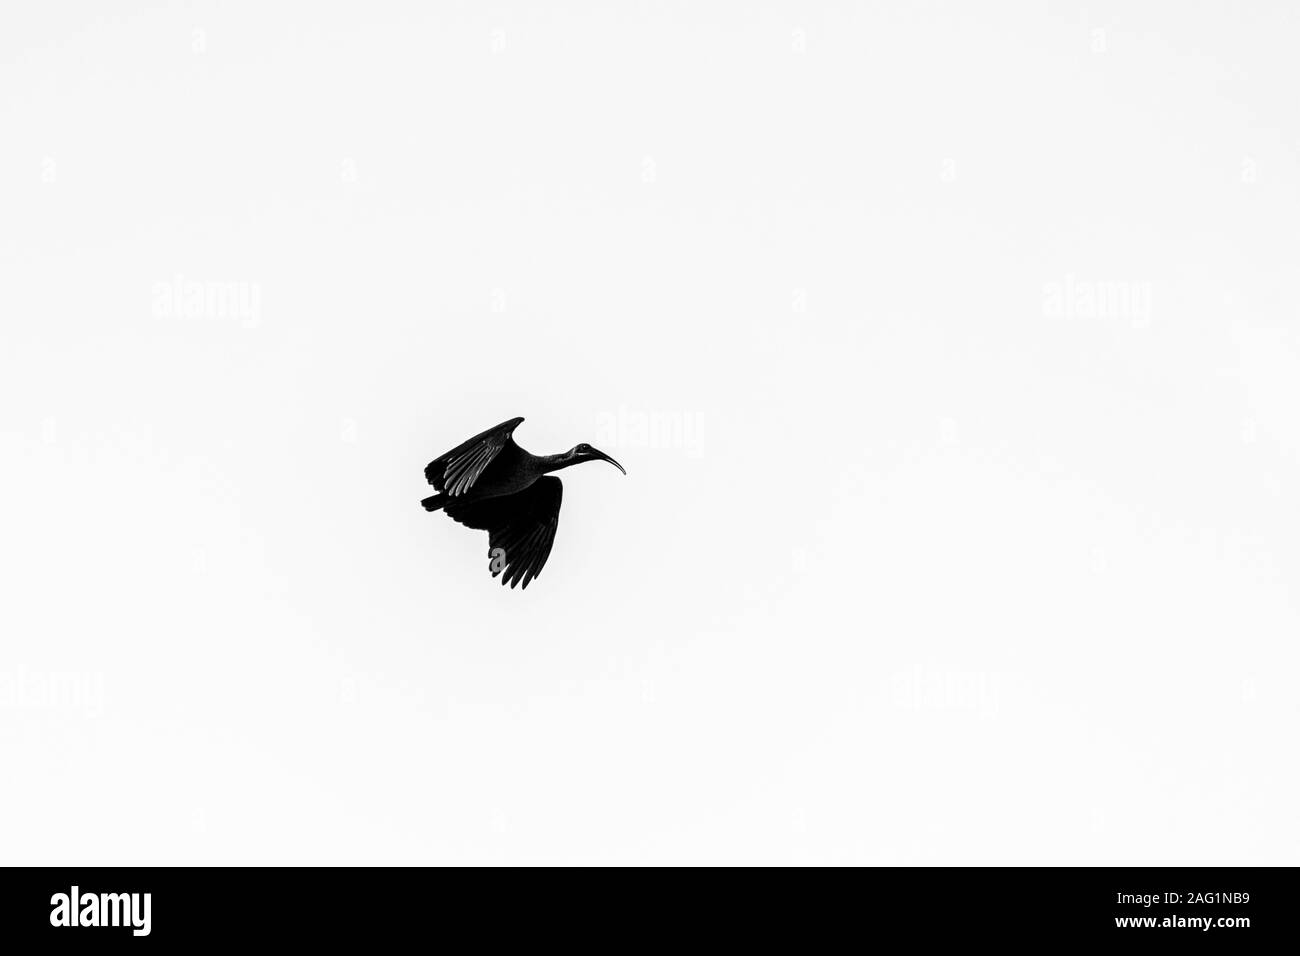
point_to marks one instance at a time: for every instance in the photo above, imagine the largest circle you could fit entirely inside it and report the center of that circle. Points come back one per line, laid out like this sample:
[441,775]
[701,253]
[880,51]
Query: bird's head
[584,452]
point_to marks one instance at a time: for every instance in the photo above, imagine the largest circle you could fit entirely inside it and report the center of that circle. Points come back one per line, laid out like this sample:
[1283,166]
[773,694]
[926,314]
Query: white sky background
[942,564]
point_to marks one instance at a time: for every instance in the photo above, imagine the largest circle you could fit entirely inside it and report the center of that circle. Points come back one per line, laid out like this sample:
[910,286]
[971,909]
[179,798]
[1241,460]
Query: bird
[491,484]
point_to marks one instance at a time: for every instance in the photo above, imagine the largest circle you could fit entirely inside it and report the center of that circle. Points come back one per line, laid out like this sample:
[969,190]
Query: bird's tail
[434,503]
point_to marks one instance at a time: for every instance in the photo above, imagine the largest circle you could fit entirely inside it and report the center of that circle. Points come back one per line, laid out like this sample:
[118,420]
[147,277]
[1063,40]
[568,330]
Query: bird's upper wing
[455,472]
[521,525]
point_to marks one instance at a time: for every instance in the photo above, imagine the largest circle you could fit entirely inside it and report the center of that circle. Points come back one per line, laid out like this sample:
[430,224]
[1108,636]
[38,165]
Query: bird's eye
[584,448]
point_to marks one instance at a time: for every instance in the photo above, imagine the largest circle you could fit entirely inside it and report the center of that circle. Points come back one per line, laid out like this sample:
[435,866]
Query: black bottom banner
[95,907]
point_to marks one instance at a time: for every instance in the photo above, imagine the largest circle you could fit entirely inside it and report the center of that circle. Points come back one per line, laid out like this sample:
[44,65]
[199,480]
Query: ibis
[491,484]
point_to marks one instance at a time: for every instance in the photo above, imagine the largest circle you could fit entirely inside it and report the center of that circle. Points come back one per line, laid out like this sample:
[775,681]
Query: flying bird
[491,484]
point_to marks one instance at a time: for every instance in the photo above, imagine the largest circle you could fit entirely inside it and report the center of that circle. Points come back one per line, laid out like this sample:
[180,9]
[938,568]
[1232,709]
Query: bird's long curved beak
[603,457]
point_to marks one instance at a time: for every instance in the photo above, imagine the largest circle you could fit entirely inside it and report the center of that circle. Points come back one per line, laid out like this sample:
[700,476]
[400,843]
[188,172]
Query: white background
[966,530]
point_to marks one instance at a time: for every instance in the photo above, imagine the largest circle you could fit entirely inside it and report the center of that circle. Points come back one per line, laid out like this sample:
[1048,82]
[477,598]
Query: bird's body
[492,484]
[511,471]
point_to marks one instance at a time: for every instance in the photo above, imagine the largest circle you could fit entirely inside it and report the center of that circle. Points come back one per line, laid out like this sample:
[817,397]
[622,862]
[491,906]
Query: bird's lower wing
[521,528]
[455,472]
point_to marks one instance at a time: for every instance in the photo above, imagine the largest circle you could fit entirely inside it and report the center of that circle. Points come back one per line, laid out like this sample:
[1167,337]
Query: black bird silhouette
[491,484]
